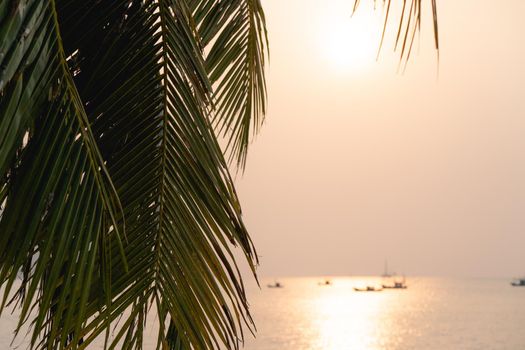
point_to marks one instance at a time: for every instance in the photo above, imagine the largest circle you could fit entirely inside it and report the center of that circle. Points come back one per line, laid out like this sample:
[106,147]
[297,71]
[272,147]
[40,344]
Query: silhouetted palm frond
[105,125]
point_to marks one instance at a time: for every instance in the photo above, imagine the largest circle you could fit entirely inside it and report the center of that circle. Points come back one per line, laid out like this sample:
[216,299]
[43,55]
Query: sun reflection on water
[307,316]
[348,320]
[433,314]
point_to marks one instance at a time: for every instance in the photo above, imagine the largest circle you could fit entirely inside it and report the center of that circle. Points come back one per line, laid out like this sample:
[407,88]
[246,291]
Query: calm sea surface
[433,313]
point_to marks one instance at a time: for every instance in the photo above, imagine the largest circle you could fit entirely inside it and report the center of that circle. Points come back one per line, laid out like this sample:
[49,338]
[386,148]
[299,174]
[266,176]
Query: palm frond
[408,27]
[142,74]
[234,35]
[59,211]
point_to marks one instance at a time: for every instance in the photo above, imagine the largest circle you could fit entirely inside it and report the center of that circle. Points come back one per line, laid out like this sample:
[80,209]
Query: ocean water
[433,313]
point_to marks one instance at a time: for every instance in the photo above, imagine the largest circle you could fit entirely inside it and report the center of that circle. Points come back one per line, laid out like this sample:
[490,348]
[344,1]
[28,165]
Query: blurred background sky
[357,163]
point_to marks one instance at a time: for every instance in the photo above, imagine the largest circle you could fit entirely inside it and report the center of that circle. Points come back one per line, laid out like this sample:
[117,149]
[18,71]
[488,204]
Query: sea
[431,314]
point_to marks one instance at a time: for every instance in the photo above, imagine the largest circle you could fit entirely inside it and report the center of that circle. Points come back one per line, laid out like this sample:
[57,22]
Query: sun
[350,44]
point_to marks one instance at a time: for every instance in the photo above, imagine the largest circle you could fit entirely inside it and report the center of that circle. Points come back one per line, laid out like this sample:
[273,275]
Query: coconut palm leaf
[409,25]
[140,71]
[59,211]
[132,97]
[234,35]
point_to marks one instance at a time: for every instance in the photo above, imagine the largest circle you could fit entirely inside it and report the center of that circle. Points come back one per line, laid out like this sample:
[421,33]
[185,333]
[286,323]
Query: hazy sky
[357,163]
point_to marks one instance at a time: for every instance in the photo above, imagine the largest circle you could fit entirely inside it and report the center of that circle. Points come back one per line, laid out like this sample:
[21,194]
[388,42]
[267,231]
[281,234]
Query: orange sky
[357,163]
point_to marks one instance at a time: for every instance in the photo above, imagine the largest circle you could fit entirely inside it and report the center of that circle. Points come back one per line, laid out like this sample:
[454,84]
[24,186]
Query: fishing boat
[325,283]
[396,285]
[275,285]
[519,282]
[368,289]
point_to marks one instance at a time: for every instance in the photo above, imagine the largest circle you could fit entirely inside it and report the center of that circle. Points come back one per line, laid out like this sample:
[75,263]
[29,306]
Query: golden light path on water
[346,319]
[432,314]
[306,315]
[336,316]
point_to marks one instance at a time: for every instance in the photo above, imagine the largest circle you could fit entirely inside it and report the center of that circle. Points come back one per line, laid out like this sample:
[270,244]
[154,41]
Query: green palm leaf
[148,109]
[59,208]
[234,34]
[409,25]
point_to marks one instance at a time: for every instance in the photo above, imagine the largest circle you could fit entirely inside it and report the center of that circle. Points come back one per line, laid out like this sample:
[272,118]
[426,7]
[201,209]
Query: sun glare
[347,320]
[350,44]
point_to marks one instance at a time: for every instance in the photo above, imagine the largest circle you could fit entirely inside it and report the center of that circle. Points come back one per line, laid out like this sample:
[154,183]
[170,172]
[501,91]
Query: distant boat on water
[368,289]
[520,282]
[397,284]
[325,283]
[275,285]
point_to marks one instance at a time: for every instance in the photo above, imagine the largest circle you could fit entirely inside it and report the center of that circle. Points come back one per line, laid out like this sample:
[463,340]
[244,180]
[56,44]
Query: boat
[396,285]
[368,289]
[519,282]
[325,283]
[275,285]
